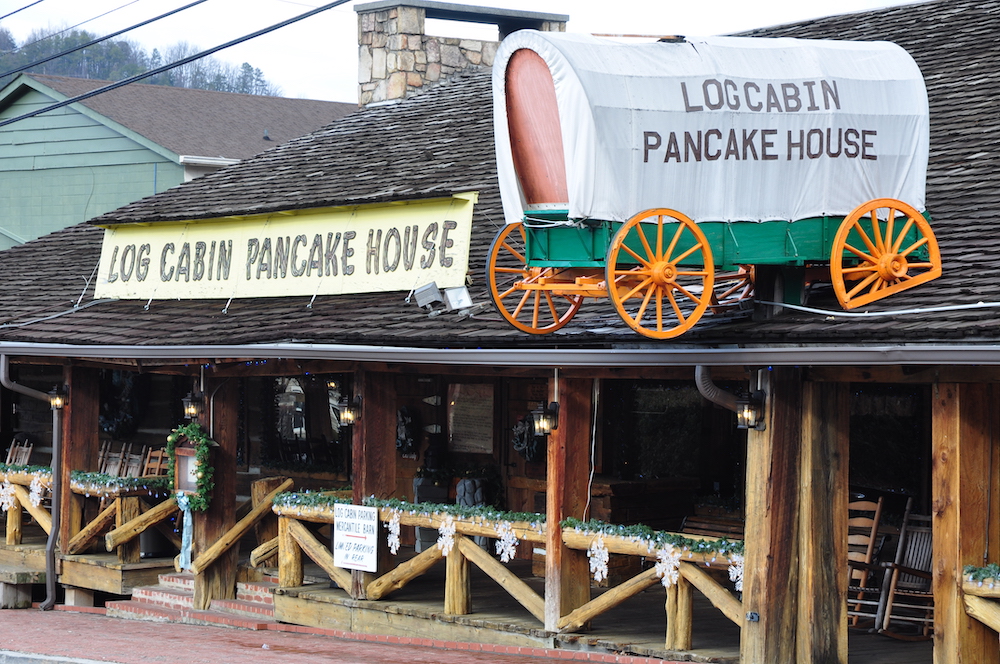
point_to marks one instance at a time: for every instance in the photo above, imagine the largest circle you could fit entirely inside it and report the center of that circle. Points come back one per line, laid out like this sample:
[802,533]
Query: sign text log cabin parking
[360,249]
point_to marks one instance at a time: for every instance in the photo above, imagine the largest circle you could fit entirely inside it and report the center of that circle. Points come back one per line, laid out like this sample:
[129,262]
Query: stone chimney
[397,60]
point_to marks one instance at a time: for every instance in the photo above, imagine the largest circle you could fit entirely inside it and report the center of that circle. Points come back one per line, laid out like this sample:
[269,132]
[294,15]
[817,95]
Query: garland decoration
[393,538]
[7,498]
[598,554]
[200,499]
[37,491]
[668,564]
[980,574]
[506,541]
[446,535]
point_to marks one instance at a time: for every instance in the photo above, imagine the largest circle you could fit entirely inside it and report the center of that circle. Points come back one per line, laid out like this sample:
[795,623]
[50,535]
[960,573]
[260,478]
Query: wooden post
[127,509]
[567,571]
[458,582]
[80,443]
[770,568]
[963,435]
[14,521]
[290,573]
[373,451]
[267,528]
[222,423]
[822,593]
[680,603]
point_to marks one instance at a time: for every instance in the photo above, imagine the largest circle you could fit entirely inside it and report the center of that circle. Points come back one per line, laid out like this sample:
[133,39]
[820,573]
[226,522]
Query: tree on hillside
[117,59]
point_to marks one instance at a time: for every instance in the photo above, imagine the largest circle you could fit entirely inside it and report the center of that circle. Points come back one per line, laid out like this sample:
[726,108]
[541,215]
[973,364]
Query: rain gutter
[629,356]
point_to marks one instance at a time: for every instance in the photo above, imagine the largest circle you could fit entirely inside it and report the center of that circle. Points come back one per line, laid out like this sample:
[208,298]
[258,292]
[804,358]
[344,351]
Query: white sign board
[724,128]
[359,249]
[355,537]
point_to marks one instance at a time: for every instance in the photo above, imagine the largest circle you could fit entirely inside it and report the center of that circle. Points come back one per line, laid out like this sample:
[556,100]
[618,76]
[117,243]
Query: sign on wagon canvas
[359,249]
[355,537]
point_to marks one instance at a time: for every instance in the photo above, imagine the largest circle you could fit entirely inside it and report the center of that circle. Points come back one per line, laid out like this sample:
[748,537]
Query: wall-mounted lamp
[750,411]
[192,406]
[437,301]
[332,384]
[350,410]
[57,397]
[545,418]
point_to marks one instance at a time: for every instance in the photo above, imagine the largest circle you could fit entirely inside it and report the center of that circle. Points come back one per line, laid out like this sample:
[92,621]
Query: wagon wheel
[532,310]
[660,273]
[733,288]
[875,233]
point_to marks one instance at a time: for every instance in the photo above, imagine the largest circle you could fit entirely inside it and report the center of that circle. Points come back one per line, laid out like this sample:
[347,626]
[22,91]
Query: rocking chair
[907,596]
[863,544]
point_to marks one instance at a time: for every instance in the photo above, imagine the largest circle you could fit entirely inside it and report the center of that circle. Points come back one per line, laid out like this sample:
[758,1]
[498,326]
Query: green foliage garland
[657,539]
[980,574]
[199,500]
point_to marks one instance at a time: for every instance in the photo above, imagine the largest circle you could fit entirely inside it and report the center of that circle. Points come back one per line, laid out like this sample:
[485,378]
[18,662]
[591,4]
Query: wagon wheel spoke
[508,274]
[884,268]
[638,284]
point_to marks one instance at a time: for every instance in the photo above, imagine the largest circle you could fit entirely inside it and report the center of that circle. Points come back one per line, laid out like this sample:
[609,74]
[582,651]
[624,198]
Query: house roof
[441,142]
[200,123]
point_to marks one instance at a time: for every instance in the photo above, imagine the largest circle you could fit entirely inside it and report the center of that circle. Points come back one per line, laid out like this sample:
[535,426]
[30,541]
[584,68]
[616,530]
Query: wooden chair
[863,545]
[113,462]
[157,463]
[19,453]
[133,463]
[907,596]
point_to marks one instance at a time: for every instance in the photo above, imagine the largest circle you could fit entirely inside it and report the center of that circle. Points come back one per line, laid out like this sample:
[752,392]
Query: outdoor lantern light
[332,384]
[545,418]
[192,406]
[750,411]
[57,399]
[350,410]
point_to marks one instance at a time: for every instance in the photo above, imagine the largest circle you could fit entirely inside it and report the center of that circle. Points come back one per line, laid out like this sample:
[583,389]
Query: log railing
[982,601]
[295,540]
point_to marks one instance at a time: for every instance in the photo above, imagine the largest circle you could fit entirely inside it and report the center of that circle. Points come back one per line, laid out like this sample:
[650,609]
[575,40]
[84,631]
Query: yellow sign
[361,249]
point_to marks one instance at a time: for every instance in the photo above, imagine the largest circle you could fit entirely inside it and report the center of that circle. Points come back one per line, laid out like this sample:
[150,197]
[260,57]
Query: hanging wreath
[200,499]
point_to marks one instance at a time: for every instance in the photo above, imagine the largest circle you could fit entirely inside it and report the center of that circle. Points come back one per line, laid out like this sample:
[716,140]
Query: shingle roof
[441,142]
[202,122]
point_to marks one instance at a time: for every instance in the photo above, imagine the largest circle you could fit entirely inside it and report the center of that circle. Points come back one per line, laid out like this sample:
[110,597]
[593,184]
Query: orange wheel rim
[660,273]
[882,247]
[531,310]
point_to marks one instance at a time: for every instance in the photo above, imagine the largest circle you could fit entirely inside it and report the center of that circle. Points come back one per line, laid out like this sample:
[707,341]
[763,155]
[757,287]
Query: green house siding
[63,168]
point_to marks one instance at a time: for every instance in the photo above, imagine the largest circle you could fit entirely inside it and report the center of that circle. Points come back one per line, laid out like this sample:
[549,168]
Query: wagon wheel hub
[892,267]
[663,273]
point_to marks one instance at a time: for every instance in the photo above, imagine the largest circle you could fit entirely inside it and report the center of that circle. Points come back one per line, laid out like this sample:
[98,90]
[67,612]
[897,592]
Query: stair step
[243,607]
[260,592]
[179,580]
[132,610]
[165,596]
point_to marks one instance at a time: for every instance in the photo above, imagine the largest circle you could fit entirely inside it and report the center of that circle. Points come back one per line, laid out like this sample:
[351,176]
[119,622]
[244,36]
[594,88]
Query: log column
[770,569]
[964,441]
[373,454]
[567,571]
[222,421]
[80,443]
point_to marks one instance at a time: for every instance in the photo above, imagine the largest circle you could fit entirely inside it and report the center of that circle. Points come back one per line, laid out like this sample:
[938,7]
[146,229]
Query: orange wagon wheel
[884,235]
[660,273]
[516,290]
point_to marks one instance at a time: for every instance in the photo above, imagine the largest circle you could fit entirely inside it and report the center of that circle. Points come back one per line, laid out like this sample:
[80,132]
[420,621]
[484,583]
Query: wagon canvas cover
[725,128]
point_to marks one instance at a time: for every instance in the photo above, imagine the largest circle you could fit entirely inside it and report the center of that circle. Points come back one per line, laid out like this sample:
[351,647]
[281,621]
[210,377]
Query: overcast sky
[317,58]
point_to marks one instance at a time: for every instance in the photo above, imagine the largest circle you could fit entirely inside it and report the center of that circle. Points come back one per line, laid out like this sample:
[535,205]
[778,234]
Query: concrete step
[241,607]
[165,596]
[132,610]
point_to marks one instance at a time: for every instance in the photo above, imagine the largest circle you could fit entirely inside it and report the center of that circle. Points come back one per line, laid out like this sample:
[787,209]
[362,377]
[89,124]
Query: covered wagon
[661,175]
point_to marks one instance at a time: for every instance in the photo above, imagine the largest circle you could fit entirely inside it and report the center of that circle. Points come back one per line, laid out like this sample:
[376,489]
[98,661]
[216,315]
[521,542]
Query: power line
[172,65]
[93,18]
[20,10]
[98,40]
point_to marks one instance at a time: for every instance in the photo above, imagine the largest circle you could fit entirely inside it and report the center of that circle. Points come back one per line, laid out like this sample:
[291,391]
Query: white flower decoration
[7,499]
[506,542]
[393,538]
[668,562]
[736,571]
[598,554]
[37,491]
[446,535]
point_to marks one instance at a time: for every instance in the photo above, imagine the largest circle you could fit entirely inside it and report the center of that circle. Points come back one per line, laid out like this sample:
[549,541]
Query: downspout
[711,391]
[50,543]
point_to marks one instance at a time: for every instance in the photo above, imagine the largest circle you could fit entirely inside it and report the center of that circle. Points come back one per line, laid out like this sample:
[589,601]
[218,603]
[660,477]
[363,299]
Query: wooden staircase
[172,600]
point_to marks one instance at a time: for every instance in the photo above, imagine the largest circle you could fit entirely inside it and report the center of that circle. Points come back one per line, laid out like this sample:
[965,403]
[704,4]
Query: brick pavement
[66,635]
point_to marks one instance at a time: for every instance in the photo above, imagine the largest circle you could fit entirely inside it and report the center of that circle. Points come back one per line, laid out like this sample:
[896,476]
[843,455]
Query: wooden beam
[720,598]
[267,529]
[14,523]
[403,573]
[129,550]
[132,528]
[457,581]
[83,538]
[986,611]
[290,574]
[679,615]
[164,529]
[318,553]
[80,441]
[963,434]
[823,495]
[39,513]
[608,600]
[509,581]
[770,568]
[264,552]
[234,534]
